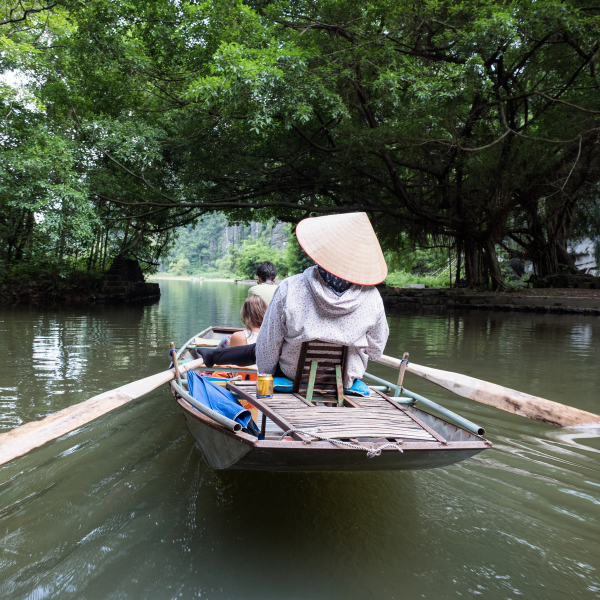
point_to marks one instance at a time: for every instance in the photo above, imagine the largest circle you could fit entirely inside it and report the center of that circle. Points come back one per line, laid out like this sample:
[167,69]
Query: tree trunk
[494,267]
[450,262]
[105,249]
[125,238]
[98,255]
[473,270]
[30,235]
[100,248]
[94,255]
[544,255]
[90,258]
[458,262]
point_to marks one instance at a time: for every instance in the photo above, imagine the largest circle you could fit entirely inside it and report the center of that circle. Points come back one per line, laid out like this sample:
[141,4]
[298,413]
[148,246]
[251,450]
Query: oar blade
[498,396]
[22,439]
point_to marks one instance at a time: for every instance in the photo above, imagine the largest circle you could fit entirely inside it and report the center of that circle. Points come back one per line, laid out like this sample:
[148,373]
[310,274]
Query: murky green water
[126,508]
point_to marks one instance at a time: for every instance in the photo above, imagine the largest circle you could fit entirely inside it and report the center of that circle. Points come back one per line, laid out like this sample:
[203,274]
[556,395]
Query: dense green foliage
[253,253]
[470,125]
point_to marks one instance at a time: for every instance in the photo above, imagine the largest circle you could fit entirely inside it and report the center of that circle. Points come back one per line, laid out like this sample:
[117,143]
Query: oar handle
[173,354]
[403,364]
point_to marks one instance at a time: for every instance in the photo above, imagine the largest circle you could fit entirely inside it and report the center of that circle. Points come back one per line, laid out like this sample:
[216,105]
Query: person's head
[266,271]
[253,311]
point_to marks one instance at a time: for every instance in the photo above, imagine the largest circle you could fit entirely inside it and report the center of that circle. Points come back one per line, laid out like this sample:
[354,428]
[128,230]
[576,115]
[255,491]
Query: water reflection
[126,508]
[581,336]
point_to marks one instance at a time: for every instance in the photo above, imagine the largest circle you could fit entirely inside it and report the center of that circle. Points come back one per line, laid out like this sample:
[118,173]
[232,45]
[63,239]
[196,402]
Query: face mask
[338,286]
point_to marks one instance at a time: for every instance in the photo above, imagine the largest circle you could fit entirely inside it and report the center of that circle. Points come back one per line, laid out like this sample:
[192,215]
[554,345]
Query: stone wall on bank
[399,298]
[124,282]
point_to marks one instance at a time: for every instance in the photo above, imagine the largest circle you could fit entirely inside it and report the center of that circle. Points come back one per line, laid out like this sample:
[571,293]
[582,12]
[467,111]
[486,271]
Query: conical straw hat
[344,245]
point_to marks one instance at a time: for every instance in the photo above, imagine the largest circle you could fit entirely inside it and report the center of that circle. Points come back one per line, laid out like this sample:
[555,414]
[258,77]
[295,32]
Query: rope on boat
[372,451]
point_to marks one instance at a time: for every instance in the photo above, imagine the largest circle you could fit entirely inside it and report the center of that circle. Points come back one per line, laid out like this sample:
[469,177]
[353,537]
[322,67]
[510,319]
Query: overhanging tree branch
[26,12]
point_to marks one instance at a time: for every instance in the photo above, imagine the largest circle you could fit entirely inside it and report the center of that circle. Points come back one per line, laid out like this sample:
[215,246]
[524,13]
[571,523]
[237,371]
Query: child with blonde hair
[252,313]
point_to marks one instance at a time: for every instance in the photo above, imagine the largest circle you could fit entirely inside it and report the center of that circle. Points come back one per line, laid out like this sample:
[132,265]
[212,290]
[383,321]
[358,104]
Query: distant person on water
[335,301]
[266,273]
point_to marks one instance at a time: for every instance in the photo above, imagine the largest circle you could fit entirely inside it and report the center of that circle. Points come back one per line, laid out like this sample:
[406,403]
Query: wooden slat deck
[376,417]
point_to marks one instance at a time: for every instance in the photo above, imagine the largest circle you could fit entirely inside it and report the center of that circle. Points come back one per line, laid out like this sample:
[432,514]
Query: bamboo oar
[512,401]
[22,439]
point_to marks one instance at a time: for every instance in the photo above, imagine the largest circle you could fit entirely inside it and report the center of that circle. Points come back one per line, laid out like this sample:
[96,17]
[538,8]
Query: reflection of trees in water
[60,354]
[63,355]
[581,336]
[199,304]
[534,353]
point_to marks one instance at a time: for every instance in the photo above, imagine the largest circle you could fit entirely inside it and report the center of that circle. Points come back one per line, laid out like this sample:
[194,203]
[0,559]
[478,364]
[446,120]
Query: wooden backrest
[328,356]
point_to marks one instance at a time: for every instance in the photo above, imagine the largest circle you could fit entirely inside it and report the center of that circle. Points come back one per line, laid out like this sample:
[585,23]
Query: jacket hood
[328,303]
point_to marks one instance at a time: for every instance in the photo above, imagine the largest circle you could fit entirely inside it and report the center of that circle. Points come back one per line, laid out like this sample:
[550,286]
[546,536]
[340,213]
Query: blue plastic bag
[222,401]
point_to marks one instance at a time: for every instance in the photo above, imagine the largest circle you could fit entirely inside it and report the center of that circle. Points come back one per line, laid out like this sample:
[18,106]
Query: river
[126,508]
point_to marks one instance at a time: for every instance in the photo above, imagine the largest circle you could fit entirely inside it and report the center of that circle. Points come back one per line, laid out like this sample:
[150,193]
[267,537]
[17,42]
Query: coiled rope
[372,451]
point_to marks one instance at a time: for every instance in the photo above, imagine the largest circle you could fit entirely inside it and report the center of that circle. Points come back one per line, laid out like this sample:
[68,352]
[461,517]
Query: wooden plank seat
[320,370]
[376,417]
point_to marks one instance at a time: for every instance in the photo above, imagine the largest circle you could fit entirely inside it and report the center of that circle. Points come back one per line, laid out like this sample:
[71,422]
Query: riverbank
[83,288]
[556,300]
[56,284]
[78,287]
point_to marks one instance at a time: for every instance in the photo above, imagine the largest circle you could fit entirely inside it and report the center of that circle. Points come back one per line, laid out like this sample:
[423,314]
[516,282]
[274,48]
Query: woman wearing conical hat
[335,301]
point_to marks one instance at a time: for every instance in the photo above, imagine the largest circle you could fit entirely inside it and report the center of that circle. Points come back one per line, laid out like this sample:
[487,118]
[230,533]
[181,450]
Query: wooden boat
[374,433]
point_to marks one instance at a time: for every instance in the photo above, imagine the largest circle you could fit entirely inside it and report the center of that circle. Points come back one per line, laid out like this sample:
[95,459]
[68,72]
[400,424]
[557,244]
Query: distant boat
[374,433]
[246,281]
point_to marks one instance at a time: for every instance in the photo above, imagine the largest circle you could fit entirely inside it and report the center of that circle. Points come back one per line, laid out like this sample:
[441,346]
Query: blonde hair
[253,311]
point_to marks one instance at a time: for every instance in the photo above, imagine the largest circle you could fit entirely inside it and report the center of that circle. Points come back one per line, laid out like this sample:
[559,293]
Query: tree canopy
[473,123]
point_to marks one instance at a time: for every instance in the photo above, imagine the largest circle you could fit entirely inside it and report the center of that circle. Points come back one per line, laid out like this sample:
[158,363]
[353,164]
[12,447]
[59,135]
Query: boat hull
[225,450]
[302,459]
